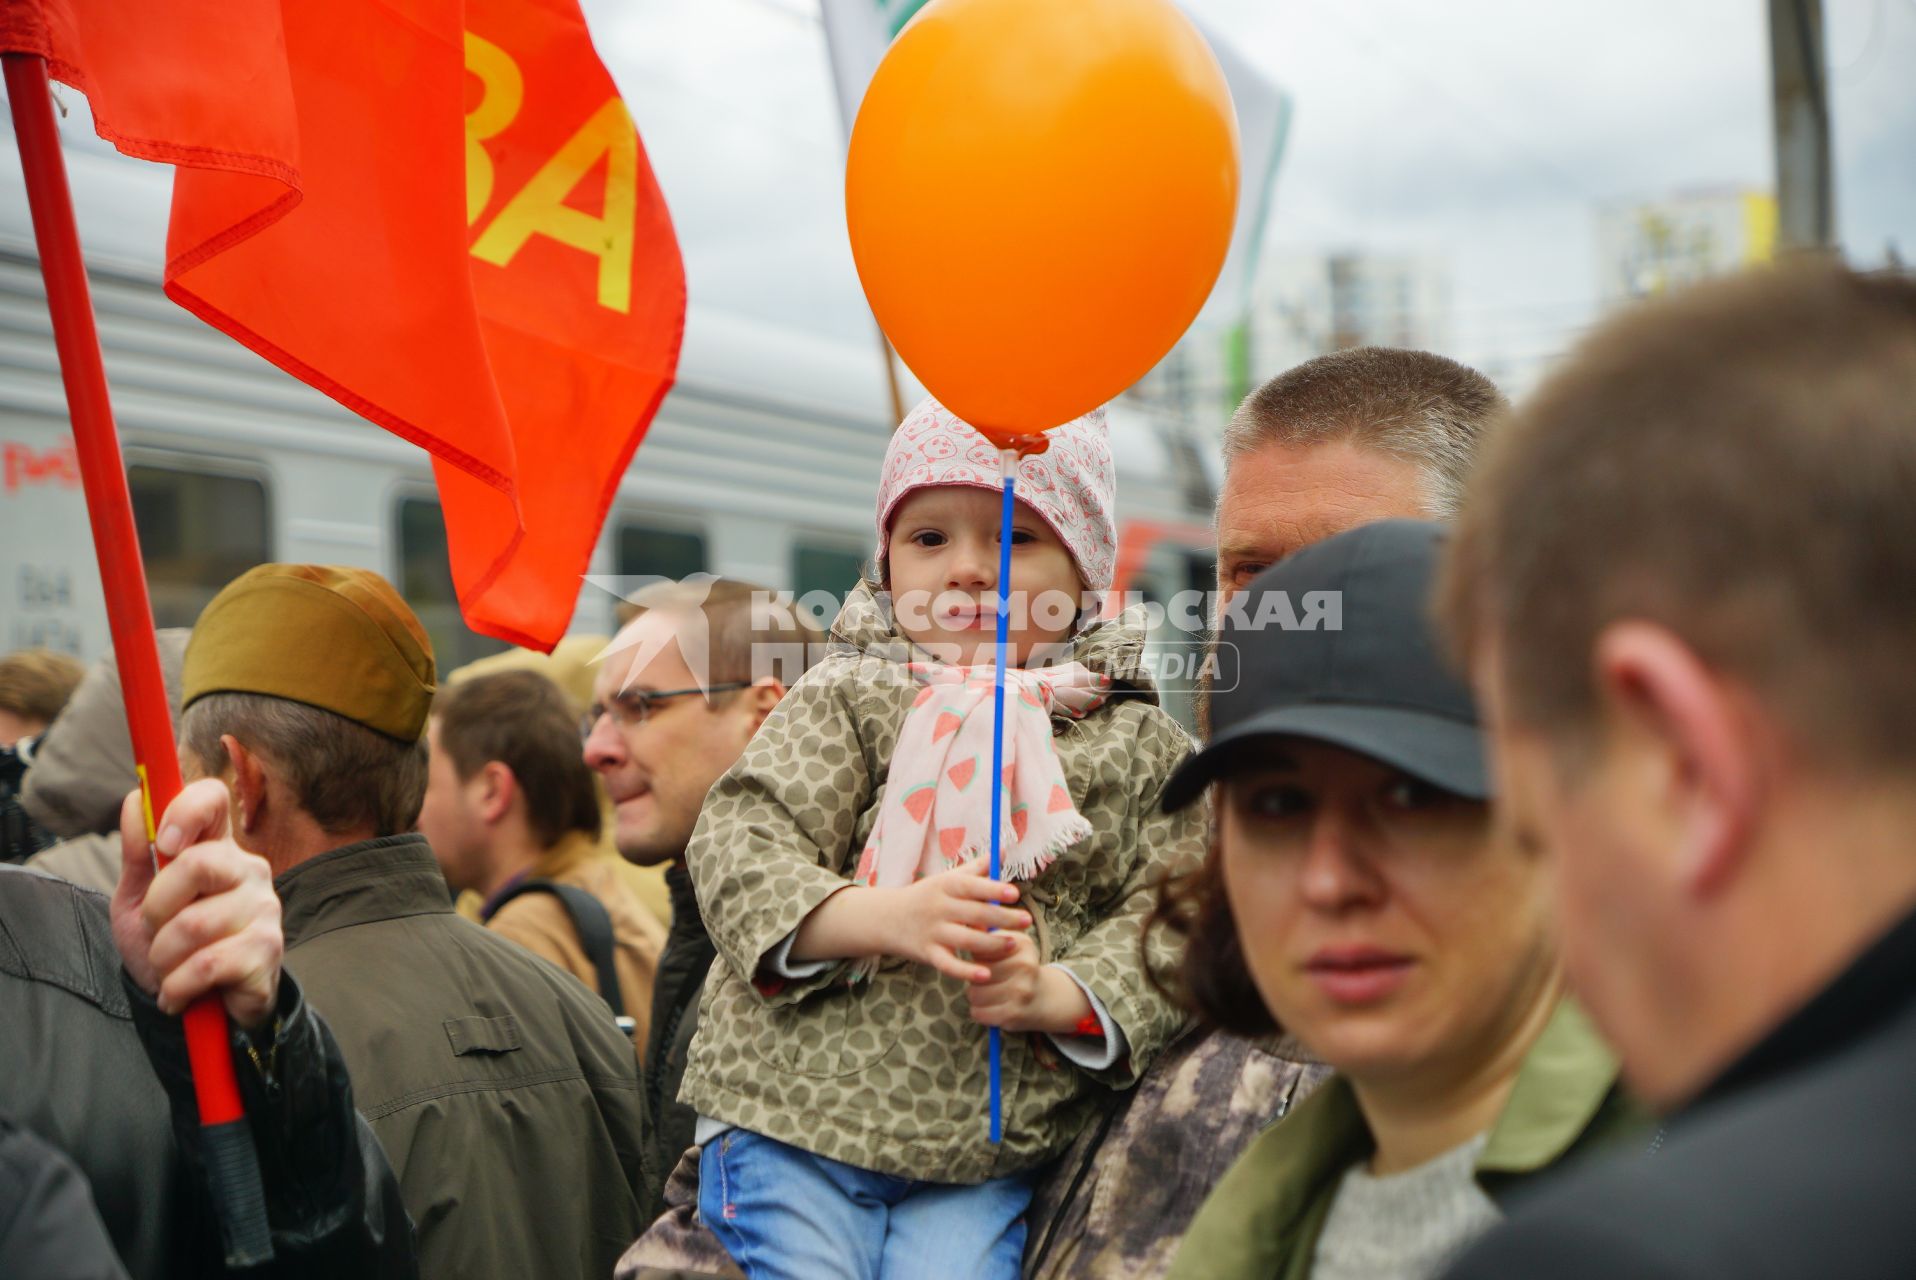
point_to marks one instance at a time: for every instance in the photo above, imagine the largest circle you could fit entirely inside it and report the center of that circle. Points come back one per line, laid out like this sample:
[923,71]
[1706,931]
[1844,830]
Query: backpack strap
[594,927]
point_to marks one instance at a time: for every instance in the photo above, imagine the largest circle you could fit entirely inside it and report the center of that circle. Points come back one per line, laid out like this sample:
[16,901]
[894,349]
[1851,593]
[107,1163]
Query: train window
[198,531]
[823,567]
[659,553]
[425,580]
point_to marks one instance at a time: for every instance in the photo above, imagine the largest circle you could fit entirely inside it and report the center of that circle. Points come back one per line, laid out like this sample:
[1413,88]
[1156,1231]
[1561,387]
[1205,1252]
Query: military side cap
[334,638]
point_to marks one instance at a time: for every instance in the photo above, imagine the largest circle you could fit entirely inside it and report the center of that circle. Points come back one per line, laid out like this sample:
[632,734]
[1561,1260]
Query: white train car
[762,462]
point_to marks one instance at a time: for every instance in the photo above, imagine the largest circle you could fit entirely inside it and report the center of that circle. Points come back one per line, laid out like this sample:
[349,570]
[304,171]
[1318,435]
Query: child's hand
[1024,995]
[942,915]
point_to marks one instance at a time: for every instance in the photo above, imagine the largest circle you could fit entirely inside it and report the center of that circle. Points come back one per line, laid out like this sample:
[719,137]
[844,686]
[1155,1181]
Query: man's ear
[761,698]
[1689,727]
[246,779]
[495,786]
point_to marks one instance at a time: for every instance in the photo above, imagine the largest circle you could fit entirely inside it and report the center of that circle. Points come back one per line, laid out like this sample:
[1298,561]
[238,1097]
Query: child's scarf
[937,809]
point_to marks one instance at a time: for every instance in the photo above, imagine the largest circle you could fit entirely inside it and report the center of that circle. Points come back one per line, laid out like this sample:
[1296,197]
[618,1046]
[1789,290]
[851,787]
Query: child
[840,1066]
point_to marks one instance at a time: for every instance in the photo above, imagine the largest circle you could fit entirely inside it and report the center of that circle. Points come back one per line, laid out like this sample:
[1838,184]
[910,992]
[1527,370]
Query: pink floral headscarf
[1072,485]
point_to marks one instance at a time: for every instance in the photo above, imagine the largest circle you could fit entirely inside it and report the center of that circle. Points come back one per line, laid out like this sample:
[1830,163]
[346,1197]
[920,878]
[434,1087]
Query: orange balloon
[1040,197]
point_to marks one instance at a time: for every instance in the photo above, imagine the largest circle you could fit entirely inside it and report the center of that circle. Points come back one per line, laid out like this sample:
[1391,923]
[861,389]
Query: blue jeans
[785,1214]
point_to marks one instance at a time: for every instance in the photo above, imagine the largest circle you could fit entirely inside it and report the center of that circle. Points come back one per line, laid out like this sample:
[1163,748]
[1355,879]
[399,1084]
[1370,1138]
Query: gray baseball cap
[1358,667]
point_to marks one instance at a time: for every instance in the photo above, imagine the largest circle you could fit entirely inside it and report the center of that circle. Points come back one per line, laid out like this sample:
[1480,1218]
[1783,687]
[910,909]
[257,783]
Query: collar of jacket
[1113,647]
[1879,985]
[556,863]
[574,847]
[1284,1180]
[686,920]
[381,879]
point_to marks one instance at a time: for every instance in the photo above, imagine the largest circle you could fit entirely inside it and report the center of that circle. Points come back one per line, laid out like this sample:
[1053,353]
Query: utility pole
[1800,109]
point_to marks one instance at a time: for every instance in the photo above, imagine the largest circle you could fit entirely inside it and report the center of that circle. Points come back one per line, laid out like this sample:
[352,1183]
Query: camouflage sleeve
[1109,959]
[774,838]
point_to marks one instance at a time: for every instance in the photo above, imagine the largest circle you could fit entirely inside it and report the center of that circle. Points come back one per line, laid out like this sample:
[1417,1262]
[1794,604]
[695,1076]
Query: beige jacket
[539,923]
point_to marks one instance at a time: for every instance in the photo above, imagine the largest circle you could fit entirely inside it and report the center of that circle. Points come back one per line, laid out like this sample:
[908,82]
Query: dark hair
[344,775]
[521,720]
[1211,980]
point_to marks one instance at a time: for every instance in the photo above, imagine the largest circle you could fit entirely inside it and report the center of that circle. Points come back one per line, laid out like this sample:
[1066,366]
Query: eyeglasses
[631,708]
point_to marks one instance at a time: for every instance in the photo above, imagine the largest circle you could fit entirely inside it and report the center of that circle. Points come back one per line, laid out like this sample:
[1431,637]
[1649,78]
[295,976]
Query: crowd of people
[1547,907]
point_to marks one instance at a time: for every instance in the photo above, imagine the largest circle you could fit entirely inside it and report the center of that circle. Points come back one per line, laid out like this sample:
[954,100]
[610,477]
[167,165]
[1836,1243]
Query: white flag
[857,33]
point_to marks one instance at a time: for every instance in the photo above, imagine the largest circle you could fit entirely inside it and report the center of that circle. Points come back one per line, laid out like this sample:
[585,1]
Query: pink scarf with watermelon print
[937,809]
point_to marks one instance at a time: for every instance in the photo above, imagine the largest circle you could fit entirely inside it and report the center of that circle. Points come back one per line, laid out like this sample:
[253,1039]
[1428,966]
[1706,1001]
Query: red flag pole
[230,1159]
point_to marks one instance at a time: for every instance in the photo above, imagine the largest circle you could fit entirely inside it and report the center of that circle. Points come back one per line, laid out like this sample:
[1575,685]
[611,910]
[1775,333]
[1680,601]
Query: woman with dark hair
[1361,898]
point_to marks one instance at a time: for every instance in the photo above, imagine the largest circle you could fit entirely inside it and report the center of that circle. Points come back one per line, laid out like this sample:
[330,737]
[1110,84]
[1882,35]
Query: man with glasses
[682,689]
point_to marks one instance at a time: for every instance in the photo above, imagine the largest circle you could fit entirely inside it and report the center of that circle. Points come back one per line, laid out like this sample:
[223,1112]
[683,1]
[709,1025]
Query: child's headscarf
[1072,485]
[937,809]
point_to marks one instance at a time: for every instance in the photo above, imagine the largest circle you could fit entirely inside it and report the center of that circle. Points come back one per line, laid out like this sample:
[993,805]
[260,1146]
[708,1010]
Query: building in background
[1651,247]
[1387,300]
[1304,305]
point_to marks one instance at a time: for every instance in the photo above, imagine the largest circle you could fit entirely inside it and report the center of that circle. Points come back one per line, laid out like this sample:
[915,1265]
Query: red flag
[582,300]
[437,213]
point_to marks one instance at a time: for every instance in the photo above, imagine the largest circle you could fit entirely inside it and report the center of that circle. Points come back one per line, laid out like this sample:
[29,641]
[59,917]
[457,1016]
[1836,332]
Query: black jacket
[90,1065]
[1795,1162]
[687,958]
[20,836]
[49,1228]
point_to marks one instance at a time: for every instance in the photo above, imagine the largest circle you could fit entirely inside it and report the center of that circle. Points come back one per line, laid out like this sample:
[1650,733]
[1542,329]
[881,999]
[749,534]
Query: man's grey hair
[1420,407]
[345,776]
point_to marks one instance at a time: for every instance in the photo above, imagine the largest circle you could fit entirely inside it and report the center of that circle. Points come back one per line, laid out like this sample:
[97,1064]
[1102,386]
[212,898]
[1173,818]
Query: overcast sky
[1483,133]
[1487,133]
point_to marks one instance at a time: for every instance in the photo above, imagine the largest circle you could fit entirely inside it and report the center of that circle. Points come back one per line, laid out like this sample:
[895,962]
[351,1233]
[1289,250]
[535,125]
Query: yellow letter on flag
[503,92]
[539,207]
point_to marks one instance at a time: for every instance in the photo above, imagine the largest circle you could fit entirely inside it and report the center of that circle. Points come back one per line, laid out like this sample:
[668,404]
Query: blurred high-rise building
[1304,305]
[1653,246]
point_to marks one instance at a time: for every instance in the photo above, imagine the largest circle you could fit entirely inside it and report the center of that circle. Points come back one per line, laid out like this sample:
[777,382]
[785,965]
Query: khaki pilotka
[506,1098]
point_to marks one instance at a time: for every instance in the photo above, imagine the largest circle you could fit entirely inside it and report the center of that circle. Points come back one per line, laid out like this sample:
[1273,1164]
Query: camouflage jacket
[890,1074]
[1117,1202]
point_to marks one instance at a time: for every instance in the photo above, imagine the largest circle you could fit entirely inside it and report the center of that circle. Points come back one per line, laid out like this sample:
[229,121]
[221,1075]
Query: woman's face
[1383,921]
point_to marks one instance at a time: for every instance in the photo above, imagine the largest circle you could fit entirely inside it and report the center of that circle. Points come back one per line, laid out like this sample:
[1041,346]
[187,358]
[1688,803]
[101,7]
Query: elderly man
[683,687]
[1339,441]
[1686,586]
[502,1090]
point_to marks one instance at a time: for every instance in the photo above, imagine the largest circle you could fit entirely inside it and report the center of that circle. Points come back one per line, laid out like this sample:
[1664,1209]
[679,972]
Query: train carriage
[761,463]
